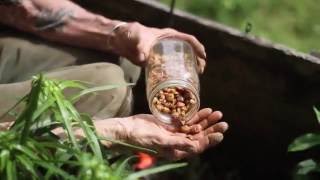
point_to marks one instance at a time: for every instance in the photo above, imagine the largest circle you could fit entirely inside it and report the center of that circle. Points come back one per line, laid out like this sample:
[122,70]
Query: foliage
[30,148]
[291,22]
[302,143]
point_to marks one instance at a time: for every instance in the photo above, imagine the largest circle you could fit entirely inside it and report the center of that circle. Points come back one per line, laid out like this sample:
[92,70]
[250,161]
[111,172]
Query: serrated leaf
[304,142]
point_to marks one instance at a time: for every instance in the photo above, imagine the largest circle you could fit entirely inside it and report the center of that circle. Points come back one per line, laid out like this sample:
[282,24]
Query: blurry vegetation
[308,169]
[30,150]
[294,23]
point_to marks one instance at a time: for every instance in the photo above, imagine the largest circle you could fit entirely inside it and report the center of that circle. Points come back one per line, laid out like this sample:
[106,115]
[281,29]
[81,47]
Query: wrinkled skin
[134,41]
[146,131]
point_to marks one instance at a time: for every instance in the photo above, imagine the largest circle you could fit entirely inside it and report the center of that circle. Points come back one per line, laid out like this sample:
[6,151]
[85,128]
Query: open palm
[205,131]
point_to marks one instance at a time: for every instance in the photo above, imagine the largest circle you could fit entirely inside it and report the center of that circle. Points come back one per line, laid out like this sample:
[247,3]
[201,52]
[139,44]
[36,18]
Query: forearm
[58,20]
[110,129]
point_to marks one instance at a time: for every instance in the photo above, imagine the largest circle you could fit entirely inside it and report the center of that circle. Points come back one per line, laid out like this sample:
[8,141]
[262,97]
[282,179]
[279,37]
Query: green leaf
[99,88]
[317,113]
[89,133]
[70,84]
[93,141]
[304,142]
[121,168]
[32,105]
[54,169]
[129,145]
[4,158]
[43,108]
[155,170]
[306,166]
[26,151]
[11,170]
[27,164]
[66,120]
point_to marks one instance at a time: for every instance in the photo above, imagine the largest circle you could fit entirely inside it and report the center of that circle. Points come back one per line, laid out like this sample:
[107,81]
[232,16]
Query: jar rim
[173,83]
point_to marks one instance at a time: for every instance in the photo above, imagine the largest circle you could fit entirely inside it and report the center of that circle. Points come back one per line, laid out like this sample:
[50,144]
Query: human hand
[134,42]
[146,131]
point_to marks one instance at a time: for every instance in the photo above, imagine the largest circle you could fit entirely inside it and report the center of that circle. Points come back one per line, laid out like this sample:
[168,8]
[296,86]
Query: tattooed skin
[48,20]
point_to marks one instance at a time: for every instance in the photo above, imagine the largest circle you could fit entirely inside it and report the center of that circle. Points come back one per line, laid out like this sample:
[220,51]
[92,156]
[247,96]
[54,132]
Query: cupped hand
[134,42]
[146,131]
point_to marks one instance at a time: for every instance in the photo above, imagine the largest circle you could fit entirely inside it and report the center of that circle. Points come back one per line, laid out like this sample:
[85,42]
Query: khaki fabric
[22,57]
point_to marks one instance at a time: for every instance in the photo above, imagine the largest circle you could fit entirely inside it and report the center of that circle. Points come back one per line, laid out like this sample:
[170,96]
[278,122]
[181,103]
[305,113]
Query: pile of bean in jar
[174,101]
[172,64]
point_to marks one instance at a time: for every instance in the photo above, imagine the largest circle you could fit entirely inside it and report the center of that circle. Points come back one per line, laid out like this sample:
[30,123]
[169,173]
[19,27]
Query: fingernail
[142,57]
[217,137]
[225,126]
[219,114]
[202,70]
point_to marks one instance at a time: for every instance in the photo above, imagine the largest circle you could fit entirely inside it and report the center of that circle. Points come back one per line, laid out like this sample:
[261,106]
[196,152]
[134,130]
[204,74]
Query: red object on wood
[145,161]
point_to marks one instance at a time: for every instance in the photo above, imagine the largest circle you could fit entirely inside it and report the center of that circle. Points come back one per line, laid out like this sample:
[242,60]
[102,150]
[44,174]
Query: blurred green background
[294,23]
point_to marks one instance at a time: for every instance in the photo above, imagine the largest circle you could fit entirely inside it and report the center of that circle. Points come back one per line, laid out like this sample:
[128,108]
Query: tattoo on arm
[48,20]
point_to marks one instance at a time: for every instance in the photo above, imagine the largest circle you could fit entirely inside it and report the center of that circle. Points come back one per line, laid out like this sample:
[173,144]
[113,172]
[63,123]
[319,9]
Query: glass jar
[172,81]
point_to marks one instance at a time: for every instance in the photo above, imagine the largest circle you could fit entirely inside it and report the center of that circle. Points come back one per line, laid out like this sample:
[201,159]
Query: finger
[220,127]
[170,31]
[215,139]
[212,119]
[203,113]
[174,154]
[178,155]
[201,65]
[198,47]
[143,50]
[180,143]
[205,141]
[216,115]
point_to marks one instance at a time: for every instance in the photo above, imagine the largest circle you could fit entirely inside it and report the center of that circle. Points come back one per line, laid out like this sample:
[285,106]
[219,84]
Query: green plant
[290,22]
[302,143]
[30,148]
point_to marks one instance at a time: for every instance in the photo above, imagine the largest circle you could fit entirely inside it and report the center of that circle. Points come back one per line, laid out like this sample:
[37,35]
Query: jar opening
[174,100]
